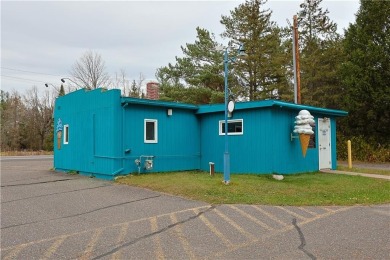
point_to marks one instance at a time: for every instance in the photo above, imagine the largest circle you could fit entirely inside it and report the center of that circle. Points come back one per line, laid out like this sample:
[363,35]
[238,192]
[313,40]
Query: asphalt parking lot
[50,215]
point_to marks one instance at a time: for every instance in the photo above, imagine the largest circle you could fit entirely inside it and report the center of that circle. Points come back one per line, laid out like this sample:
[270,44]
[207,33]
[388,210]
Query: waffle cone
[304,138]
[59,143]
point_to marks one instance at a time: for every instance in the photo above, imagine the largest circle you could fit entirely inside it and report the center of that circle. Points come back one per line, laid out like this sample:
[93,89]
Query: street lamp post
[63,80]
[56,88]
[226,155]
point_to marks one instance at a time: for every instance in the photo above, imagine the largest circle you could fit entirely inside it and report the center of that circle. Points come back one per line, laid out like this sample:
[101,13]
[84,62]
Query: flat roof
[158,103]
[215,108]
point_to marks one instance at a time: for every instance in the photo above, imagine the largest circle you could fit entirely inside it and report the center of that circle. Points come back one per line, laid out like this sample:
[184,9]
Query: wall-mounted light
[169,111]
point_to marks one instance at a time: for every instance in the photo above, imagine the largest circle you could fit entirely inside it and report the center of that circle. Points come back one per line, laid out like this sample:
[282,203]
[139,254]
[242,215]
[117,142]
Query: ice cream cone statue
[59,136]
[303,128]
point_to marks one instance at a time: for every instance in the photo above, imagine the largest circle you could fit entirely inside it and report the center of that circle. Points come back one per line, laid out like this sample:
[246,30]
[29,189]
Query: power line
[23,79]
[31,72]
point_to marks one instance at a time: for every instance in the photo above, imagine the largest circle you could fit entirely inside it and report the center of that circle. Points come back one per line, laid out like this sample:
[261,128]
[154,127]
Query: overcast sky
[40,41]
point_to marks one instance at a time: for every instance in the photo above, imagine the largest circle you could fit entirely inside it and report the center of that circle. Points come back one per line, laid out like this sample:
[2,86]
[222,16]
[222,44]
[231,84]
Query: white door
[325,158]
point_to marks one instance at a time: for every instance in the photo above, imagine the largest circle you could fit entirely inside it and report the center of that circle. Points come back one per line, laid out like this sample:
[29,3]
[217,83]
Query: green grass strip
[316,189]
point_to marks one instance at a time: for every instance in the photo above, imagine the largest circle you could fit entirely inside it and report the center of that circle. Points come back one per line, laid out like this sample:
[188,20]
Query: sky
[41,40]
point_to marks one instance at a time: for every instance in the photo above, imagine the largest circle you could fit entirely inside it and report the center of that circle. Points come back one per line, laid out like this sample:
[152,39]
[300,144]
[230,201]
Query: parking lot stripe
[88,251]
[291,213]
[308,211]
[327,209]
[91,230]
[214,229]
[15,252]
[54,247]
[274,218]
[252,218]
[121,238]
[222,253]
[184,242]
[235,225]
[154,228]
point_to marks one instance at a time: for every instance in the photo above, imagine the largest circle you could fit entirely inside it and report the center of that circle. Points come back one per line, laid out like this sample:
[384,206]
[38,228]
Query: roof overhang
[216,108]
[148,102]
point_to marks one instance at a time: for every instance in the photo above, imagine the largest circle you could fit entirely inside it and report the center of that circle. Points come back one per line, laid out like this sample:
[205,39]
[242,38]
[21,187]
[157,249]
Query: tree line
[349,71]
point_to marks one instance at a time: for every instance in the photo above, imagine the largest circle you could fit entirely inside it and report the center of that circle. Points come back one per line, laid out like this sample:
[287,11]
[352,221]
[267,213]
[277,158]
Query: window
[150,131]
[235,127]
[66,134]
[312,141]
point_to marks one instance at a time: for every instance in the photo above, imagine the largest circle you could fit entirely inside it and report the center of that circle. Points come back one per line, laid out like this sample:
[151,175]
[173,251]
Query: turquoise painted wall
[94,141]
[265,147]
[249,153]
[106,136]
[178,146]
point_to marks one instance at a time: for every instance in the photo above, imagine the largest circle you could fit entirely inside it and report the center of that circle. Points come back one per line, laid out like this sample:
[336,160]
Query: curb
[376,176]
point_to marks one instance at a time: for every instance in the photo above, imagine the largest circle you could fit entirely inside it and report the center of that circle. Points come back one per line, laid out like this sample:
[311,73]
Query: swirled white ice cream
[302,123]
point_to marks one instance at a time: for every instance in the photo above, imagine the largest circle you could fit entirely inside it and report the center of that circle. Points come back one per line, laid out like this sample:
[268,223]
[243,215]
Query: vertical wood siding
[178,146]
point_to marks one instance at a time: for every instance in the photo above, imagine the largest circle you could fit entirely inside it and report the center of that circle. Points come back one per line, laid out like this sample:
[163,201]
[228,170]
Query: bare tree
[39,118]
[89,71]
[12,113]
[135,90]
[120,82]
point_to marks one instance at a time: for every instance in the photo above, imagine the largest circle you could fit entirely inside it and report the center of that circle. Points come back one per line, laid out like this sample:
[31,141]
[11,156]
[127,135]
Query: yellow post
[349,154]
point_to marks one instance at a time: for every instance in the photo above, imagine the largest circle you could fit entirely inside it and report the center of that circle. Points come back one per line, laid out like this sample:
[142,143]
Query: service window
[66,134]
[235,127]
[312,141]
[150,131]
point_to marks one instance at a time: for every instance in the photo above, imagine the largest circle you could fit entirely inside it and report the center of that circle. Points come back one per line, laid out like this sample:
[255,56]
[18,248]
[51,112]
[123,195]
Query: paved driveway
[47,215]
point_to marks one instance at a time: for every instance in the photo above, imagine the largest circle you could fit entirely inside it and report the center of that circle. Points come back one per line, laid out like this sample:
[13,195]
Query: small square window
[66,134]
[150,131]
[235,127]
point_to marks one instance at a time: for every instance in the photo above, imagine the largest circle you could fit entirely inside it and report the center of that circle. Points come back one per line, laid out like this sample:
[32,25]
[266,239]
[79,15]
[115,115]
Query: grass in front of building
[25,153]
[364,170]
[316,189]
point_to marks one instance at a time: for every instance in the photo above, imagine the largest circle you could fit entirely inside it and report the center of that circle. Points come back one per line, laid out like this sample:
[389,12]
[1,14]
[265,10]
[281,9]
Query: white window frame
[221,122]
[155,141]
[66,134]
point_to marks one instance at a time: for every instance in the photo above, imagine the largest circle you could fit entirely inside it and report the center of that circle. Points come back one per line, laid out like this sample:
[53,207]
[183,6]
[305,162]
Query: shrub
[363,149]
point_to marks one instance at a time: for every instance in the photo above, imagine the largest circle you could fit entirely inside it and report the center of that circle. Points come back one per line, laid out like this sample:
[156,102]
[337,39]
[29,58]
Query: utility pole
[297,73]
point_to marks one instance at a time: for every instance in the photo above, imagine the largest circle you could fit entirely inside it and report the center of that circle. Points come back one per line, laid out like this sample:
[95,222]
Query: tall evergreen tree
[366,73]
[62,91]
[321,52]
[200,66]
[201,70]
[263,73]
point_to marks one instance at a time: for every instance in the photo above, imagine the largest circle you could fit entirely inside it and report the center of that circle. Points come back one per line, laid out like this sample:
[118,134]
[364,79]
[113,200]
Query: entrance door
[325,158]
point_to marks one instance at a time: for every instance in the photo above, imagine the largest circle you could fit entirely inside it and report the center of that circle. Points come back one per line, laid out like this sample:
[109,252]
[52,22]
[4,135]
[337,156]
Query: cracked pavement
[49,215]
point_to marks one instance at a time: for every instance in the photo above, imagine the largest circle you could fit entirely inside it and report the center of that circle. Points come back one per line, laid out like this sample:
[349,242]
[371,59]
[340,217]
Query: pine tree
[366,73]
[200,66]
[321,53]
[62,91]
[263,72]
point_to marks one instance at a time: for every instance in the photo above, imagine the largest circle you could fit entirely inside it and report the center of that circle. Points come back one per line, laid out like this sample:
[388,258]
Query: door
[325,158]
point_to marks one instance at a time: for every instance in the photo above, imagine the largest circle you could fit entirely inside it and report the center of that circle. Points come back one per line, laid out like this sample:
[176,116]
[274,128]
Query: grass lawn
[317,189]
[364,170]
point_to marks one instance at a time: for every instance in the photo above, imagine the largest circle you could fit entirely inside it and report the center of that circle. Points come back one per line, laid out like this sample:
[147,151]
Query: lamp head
[63,80]
[46,85]
[242,54]
[241,51]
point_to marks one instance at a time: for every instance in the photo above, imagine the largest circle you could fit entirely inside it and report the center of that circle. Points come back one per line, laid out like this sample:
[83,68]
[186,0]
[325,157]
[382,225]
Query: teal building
[100,133]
